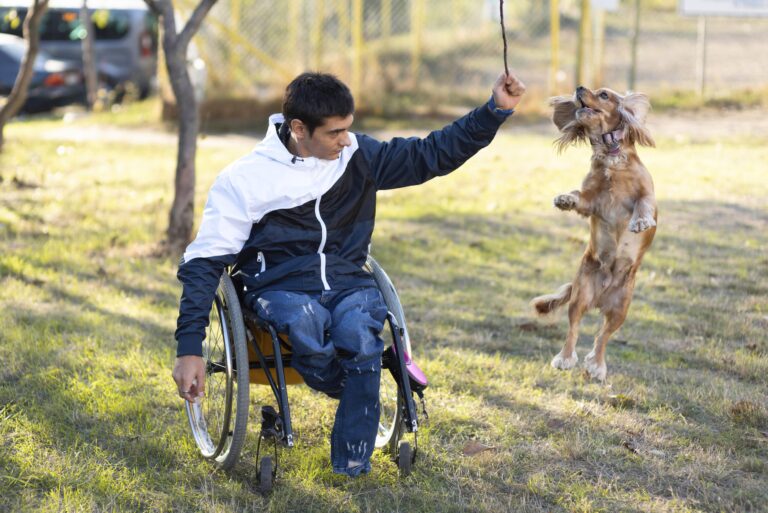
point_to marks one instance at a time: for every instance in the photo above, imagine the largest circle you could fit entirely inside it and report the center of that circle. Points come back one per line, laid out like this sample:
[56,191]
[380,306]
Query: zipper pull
[263,261]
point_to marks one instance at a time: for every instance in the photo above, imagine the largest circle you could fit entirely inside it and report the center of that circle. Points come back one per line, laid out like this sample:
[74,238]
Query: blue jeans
[337,350]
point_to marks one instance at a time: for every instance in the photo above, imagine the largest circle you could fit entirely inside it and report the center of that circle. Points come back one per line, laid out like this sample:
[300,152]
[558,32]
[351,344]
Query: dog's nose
[580,89]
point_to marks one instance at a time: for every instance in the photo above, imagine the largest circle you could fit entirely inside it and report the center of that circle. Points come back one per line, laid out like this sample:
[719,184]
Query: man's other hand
[507,91]
[189,375]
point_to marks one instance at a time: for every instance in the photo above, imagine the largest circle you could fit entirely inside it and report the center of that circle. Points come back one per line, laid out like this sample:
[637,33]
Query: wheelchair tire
[266,475]
[391,403]
[218,420]
[391,299]
[404,458]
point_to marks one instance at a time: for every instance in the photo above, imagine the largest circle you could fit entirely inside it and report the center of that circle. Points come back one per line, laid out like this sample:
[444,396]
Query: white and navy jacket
[306,224]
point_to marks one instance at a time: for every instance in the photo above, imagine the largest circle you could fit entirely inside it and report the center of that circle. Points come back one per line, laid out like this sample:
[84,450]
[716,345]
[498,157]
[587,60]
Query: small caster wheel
[266,478]
[404,458]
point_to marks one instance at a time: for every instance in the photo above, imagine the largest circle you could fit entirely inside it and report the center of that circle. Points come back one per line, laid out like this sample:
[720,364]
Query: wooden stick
[503,35]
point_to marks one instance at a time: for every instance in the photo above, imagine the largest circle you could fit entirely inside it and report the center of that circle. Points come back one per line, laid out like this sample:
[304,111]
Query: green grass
[89,418]
[688,100]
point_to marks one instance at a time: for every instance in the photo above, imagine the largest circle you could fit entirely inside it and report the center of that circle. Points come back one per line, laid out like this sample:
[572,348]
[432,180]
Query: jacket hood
[273,148]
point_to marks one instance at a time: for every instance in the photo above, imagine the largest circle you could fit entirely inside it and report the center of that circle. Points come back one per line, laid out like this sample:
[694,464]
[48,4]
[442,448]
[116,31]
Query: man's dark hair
[312,97]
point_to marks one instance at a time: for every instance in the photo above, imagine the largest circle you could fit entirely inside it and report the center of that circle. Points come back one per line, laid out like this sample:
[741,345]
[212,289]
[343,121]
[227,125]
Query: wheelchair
[240,349]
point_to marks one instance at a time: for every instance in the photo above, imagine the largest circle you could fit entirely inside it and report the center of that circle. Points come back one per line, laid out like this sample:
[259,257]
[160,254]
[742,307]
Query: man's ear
[299,129]
[564,111]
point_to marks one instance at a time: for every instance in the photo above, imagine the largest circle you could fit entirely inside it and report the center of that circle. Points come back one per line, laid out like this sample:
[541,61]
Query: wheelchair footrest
[416,377]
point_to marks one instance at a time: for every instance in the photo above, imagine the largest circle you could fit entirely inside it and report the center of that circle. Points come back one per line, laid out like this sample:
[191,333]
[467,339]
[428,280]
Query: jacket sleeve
[402,162]
[225,227]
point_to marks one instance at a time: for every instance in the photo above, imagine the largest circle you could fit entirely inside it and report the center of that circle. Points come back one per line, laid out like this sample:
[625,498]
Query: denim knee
[357,321]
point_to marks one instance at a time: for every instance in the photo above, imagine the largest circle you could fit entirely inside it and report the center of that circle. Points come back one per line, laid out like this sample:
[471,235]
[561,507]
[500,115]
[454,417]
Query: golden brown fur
[618,198]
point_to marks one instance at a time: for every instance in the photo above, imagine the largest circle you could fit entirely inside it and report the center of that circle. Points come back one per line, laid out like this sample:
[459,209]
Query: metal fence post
[292,46]
[581,47]
[633,57]
[234,56]
[357,49]
[417,21]
[317,34]
[554,37]
[386,19]
[598,51]
[701,54]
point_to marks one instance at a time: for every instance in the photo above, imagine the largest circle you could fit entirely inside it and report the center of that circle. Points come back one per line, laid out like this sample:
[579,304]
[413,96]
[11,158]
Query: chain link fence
[434,55]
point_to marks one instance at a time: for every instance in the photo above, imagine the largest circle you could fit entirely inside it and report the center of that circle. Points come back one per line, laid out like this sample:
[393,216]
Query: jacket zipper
[263,261]
[322,243]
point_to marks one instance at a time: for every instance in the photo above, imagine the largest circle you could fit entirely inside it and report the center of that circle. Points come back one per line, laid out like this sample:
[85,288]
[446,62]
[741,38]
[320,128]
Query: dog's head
[588,114]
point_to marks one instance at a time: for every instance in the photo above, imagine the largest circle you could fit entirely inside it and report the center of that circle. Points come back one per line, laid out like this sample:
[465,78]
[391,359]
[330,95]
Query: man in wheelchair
[297,214]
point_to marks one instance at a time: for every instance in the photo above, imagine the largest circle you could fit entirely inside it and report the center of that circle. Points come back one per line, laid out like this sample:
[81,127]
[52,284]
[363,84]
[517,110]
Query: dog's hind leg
[595,360]
[614,306]
[567,357]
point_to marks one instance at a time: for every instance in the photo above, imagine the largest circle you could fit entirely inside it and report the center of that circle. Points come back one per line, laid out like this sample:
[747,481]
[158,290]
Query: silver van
[125,43]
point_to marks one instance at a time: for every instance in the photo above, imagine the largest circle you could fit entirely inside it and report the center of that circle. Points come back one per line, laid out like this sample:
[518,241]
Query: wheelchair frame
[219,424]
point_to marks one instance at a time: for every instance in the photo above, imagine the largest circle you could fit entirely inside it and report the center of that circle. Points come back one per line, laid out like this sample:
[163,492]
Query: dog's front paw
[565,201]
[562,363]
[641,224]
[598,370]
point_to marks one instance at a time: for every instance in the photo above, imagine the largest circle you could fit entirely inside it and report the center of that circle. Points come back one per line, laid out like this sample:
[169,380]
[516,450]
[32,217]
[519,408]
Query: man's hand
[507,91]
[189,375]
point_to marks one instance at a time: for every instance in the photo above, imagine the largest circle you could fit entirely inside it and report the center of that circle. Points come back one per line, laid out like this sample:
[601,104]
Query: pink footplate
[414,372]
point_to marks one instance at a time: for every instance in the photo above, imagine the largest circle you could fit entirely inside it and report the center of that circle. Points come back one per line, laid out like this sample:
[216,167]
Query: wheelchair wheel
[391,299]
[266,475]
[391,417]
[404,458]
[218,420]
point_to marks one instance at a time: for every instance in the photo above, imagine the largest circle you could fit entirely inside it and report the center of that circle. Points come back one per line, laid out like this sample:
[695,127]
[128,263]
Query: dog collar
[612,140]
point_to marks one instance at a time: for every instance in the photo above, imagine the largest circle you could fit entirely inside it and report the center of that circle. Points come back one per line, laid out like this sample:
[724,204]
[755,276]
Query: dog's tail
[549,303]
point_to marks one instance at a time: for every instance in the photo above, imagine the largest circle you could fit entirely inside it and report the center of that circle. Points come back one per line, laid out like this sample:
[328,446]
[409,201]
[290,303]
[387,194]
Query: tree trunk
[175,44]
[89,57]
[181,216]
[18,94]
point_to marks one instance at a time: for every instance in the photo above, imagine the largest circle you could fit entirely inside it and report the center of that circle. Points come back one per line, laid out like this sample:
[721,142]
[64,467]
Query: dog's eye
[604,95]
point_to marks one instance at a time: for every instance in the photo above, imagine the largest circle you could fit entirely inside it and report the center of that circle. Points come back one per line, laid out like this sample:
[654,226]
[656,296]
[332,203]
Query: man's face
[327,141]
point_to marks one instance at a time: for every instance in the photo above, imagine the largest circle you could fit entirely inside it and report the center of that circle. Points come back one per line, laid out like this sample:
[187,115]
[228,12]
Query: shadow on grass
[465,281]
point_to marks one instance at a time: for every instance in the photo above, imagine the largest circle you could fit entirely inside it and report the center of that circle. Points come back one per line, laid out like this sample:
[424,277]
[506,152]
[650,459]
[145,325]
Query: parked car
[125,36]
[54,82]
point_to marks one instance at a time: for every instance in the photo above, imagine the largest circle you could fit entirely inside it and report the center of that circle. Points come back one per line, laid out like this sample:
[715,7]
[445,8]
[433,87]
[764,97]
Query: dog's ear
[564,111]
[564,118]
[634,110]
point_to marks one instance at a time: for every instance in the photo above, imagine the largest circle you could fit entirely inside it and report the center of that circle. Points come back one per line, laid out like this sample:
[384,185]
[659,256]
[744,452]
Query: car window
[11,20]
[64,24]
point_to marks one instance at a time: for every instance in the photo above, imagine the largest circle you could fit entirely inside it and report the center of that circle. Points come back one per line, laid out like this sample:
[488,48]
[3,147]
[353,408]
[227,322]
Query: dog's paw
[559,362]
[565,201]
[641,224]
[596,370]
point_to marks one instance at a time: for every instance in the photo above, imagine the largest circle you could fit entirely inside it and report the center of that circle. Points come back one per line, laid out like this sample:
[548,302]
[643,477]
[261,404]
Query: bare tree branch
[18,94]
[164,9]
[194,22]
[153,7]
